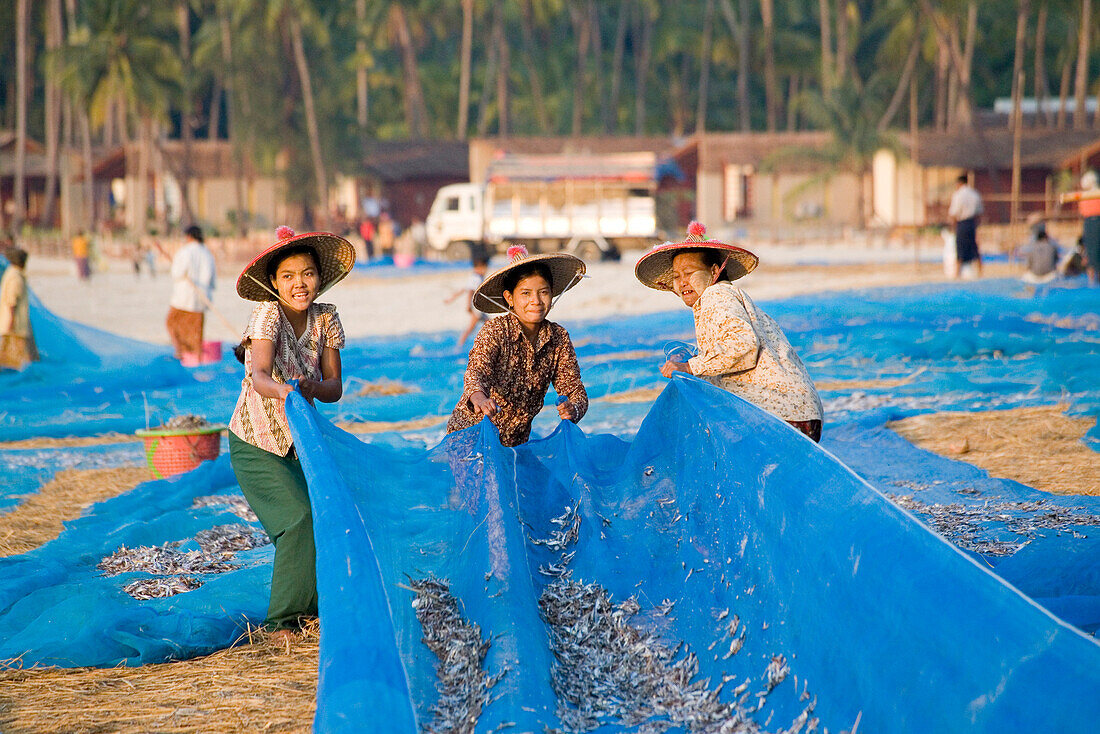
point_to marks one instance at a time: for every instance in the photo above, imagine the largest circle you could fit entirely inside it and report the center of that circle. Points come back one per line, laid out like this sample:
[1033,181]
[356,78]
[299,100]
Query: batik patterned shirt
[743,350]
[516,375]
[261,421]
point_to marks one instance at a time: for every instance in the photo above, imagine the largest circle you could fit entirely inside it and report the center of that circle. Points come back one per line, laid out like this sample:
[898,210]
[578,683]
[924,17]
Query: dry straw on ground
[1040,447]
[381,388]
[259,686]
[383,426]
[638,395]
[39,517]
[70,442]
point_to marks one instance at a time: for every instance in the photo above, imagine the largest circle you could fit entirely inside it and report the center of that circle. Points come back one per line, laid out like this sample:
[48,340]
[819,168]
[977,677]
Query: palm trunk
[242,217]
[792,108]
[20,185]
[965,104]
[53,116]
[1063,85]
[464,71]
[959,108]
[827,61]
[416,112]
[771,84]
[704,67]
[744,62]
[595,39]
[1080,87]
[612,109]
[187,112]
[311,121]
[641,68]
[490,77]
[1023,9]
[842,51]
[1041,89]
[89,181]
[503,100]
[582,26]
[542,117]
[902,89]
[362,98]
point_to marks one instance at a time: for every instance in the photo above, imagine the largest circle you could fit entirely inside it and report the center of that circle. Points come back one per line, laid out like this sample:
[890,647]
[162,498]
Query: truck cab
[456,220]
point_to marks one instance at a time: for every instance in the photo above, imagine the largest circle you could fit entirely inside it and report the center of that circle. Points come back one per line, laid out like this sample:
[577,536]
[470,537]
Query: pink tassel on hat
[283,232]
[697,230]
[516,251]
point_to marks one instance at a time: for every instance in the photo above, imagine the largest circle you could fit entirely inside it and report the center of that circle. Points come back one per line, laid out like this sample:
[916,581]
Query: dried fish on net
[609,670]
[237,504]
[161,587]
[165,560]
[231,538]
[464,686]
[967,526]
[186,423]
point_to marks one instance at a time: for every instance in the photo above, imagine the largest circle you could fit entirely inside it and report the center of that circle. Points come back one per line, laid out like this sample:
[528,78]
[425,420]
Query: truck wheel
[457,251]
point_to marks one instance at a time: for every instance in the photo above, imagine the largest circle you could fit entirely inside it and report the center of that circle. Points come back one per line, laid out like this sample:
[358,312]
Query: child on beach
[17,348]
[480,262]
[516,357]
[741,348]
[289,337]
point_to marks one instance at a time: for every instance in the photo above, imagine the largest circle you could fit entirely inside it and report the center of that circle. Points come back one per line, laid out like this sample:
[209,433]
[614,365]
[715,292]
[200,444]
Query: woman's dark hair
[240,349]
[709,257]
[193,232]
[17,257]
[514,277]
[273,263]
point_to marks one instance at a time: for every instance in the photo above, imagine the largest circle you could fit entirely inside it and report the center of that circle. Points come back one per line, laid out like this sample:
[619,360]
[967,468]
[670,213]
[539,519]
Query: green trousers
[276,490]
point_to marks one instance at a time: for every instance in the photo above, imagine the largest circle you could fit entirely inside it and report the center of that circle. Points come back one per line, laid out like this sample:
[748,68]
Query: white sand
[118,301]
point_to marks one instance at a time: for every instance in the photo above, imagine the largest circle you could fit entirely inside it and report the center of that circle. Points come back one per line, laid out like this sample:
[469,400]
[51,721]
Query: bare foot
[283,637]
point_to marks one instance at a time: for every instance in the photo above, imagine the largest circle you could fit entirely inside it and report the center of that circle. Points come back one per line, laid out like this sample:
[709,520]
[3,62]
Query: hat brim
[654,269]
[335,254]
[565,272]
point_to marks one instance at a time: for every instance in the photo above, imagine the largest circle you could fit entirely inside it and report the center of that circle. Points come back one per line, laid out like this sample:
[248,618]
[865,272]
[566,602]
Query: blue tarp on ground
[741,515]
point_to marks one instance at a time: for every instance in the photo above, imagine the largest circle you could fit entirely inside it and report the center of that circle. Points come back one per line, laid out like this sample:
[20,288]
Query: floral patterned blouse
[505,366]
[743,350]
[261,421]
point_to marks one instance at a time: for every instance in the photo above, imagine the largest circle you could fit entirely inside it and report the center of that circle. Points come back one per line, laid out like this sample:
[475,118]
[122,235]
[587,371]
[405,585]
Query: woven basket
[170,452]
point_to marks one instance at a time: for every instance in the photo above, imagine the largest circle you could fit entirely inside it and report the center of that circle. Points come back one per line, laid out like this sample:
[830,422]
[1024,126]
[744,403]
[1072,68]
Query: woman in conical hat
[741,348]
[517,356]
[289,337]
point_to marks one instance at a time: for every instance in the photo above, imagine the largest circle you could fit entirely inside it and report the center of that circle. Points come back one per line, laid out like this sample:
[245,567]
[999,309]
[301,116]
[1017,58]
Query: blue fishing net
[691,512]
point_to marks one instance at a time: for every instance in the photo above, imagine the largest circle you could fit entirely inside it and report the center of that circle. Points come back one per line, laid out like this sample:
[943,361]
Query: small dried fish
[464,686]
[235,502]
[161,587]
[165,560]
[231,538]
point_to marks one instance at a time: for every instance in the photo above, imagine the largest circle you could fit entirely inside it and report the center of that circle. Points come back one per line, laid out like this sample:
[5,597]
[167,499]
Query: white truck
[588,205]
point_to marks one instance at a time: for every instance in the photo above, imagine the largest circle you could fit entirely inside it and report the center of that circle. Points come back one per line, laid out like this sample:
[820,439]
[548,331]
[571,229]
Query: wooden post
[1014,214]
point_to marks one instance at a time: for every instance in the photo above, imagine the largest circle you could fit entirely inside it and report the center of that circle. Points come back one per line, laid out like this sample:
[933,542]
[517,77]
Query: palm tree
[19,188]
[851,115]
[117,51]
[1081,83]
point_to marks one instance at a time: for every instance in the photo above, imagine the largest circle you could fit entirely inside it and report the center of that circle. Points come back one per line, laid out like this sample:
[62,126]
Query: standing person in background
[193,276]
[80,255]
[964,213]
[387,235]
[479,260]
[17,348]
[1089,206]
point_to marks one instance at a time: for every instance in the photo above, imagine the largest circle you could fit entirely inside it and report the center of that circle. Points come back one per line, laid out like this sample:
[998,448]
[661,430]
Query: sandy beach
[388,301]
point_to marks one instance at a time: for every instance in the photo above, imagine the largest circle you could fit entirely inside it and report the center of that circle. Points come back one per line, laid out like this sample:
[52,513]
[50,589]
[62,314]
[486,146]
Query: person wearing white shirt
[964,212]
[193,276]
